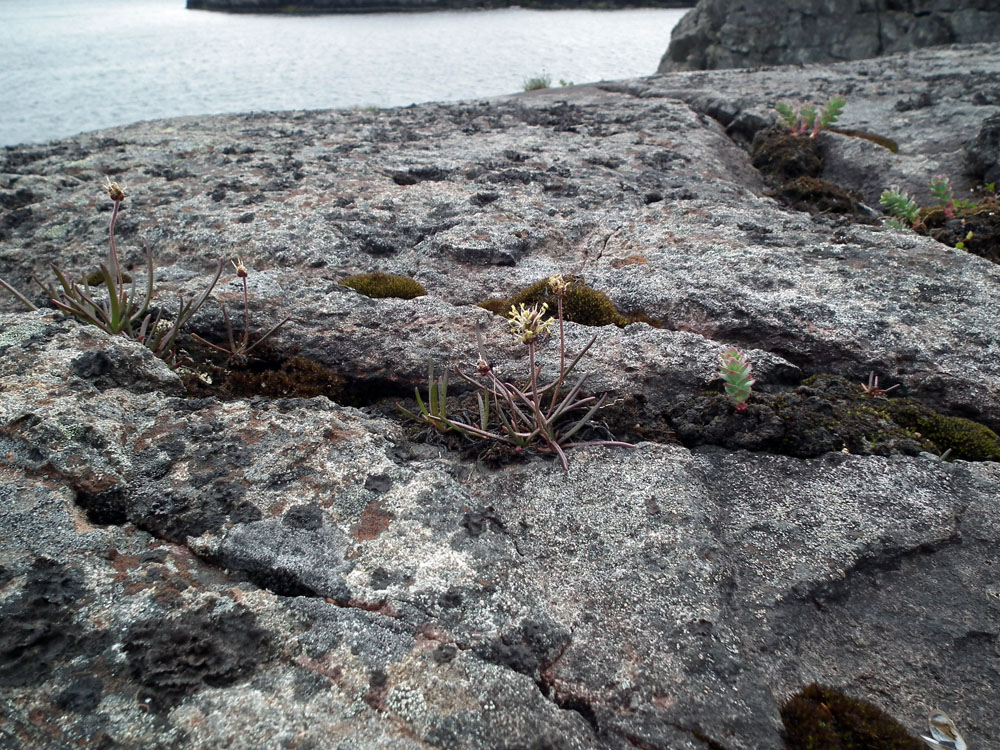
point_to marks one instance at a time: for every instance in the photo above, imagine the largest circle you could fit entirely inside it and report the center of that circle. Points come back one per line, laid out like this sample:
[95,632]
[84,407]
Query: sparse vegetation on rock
[388,584]
[581,304]
[541,416]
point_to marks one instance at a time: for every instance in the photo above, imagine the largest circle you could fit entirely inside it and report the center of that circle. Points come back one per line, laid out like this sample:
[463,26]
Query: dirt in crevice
[974,228]
[782,157]
[791,166]
[828,413]
[270,373]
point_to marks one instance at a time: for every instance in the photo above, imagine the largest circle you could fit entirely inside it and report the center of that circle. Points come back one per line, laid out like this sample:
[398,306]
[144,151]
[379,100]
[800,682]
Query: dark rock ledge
[726,34]
[260,573]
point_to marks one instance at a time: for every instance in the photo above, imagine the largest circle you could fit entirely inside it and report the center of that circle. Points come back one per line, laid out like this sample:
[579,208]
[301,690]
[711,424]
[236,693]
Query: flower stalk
[123,312]
[239,352]
[522,419]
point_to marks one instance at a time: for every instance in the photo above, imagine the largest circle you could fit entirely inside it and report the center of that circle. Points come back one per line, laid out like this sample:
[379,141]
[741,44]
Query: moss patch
[784,157]
[379,285]
[292,377]
[791,164]
[581,304]
[827,413]
[965,439]
[818,196]
[823,718]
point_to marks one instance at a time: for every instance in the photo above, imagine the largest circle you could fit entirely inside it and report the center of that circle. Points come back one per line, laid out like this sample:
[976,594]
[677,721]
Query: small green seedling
[960,245]
[906,213]
[902,207]
[735,369]
[807,120]
[945,196]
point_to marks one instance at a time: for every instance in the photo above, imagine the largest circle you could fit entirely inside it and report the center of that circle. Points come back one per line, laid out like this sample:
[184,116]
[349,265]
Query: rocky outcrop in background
[255,572]
[385,6]
[746,33]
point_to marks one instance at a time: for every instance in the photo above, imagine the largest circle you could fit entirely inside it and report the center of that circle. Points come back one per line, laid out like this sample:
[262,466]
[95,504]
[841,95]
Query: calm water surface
[74,65]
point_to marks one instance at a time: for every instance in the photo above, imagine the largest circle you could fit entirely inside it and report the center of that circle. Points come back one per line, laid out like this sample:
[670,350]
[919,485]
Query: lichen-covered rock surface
[299,572]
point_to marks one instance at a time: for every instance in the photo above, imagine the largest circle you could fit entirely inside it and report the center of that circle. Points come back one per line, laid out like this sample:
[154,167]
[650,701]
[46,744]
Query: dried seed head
[113,189]
[529,323]
[241,270]
[558,285]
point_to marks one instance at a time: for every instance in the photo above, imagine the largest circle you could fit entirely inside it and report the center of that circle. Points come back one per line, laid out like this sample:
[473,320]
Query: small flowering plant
[734,367]
[123,311]
[906,212]
[535,415]
[238,352]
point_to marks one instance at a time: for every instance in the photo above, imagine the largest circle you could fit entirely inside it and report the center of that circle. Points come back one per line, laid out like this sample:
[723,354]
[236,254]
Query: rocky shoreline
[396,6]
[207,571]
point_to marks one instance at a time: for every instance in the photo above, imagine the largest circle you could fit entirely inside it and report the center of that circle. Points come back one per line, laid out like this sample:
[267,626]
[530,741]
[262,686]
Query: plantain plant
[239,351]
[544,417]
[122,311]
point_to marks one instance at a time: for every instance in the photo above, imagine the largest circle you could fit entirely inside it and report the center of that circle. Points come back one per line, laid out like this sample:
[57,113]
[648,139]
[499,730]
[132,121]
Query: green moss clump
[379,285]
[823,718]
[966,439]
[581,304]
[495,306]
[786,157]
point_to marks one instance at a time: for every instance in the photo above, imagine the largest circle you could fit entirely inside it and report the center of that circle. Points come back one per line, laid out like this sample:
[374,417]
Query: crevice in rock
[701,737]
[111,508]
[824,414]
[276,375]
[578,706]
[562,699]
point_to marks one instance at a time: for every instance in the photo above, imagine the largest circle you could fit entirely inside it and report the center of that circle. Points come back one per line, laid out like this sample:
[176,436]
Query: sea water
[68,66]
